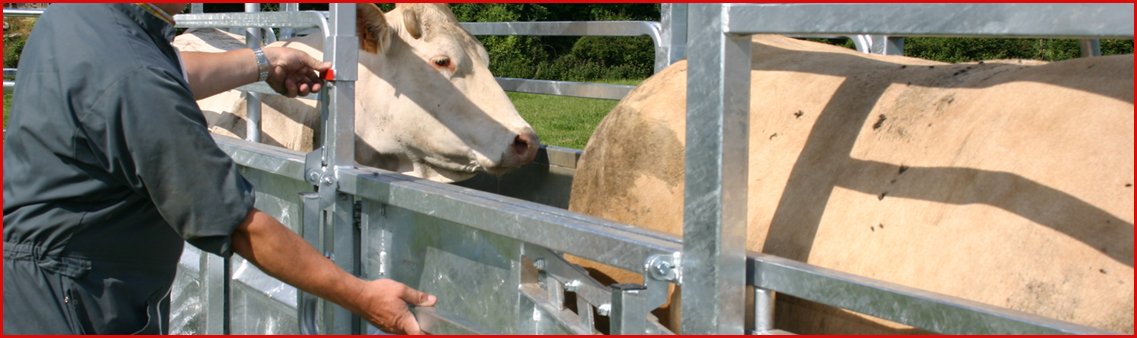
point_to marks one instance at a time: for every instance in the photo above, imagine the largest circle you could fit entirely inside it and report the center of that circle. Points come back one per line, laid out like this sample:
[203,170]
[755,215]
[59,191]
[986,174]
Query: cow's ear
[411,21]
[371,26]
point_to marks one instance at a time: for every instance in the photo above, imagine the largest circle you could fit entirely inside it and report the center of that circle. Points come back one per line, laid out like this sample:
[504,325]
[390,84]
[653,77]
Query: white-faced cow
[1004,183]
[426,103]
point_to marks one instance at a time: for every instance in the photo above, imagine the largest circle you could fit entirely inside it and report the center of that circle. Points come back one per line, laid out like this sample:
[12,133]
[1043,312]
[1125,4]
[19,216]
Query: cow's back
[285,122]
[999,182]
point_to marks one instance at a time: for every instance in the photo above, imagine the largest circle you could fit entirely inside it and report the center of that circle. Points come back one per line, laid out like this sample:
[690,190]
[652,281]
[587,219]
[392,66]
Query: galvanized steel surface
[611,243]
[931,311]
[305,19]
[918,308]
[715,187]
[23,12]
[565,88]
[340,241]
[1004,20]
[567,28]
[253,37]
[473,236]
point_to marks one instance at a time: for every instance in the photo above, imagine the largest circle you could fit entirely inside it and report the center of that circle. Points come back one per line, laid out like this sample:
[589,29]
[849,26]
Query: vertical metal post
[252,100]
[673,22]
[887,45]
[629,312]
[288,32]
[215,284]
[197,8]
[310,221]
[341,238]
[763,311]
[1090,47]
[714,219]
[342,50]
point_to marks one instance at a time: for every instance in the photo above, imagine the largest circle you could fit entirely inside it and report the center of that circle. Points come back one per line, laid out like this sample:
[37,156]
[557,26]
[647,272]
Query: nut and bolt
[661,268]
[539,264]
[604,309]
[572,285]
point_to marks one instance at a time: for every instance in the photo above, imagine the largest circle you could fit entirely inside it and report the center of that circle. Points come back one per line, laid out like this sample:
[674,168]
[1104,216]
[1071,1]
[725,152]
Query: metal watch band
[262,64]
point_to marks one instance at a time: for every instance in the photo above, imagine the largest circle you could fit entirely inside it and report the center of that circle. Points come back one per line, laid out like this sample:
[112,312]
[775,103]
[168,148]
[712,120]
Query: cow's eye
[441,61]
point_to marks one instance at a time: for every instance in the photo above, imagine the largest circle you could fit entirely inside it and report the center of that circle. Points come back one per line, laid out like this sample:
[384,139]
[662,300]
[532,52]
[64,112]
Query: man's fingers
[289,87]
[419,298]
[304,89]
[316,64]
[408,324]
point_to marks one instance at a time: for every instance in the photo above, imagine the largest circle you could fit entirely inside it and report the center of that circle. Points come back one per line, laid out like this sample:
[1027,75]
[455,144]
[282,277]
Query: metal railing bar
[1002,20]
[927,310]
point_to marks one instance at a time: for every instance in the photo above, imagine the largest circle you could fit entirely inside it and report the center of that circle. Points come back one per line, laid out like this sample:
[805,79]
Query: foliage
[12,49]
[14,37]
[975,49]
[564,58]
[7,107]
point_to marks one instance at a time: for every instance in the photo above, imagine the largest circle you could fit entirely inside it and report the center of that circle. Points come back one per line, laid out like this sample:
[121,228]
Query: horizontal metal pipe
[23,12]
[567,28]
[927,310]
[615,244]
[304,19]
[1006,20]
[565,88]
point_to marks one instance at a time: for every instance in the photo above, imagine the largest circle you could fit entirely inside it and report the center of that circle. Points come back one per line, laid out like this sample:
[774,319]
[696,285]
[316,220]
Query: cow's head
[445,116]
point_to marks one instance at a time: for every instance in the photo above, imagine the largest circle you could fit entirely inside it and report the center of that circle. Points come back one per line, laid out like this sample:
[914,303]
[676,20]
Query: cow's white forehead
[441,30]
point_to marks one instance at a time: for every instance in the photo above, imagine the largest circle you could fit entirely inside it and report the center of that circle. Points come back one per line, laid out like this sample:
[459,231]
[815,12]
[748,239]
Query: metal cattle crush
[495,261]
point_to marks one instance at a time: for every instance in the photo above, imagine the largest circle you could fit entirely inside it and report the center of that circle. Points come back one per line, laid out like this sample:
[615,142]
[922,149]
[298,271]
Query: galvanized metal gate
[494,261]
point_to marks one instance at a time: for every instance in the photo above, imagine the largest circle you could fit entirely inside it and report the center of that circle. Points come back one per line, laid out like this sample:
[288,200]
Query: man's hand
[294,72]
[283,254]
[383,302]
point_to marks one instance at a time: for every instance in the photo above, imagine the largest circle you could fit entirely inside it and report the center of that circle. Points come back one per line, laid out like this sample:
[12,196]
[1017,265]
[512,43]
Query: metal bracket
[322,176]
[629,309]
[631,303]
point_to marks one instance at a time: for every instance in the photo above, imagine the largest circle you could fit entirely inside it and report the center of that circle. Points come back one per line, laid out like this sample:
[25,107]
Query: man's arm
[292,72]
[285,255]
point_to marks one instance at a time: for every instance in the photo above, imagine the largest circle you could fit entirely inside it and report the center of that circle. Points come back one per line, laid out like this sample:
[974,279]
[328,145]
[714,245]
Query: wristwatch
[262,64]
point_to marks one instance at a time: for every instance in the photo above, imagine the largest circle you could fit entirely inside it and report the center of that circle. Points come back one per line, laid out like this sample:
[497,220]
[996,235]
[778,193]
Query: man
[109,169]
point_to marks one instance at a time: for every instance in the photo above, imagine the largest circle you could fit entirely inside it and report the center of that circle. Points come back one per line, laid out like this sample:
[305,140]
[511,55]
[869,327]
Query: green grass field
[562,121]
[565,121]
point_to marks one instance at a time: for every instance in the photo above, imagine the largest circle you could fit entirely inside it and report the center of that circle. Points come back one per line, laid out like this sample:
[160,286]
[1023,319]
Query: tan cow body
[1000,182]
[426,103]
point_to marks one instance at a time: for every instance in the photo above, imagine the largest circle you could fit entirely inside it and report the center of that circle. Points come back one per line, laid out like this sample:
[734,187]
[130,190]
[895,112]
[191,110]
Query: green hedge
[975,49]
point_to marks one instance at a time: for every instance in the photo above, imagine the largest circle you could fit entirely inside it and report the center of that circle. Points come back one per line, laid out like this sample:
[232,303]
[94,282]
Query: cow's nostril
[521,144]
[524,147]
